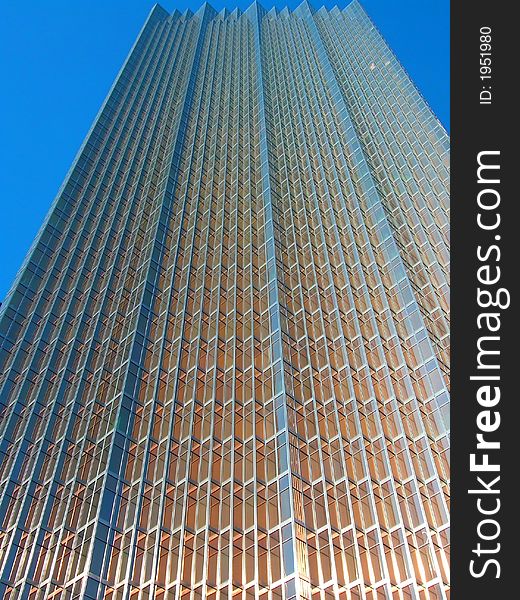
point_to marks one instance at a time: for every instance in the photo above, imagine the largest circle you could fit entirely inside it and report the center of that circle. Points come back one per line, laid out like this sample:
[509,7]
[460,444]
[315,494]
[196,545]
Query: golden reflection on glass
[225,359]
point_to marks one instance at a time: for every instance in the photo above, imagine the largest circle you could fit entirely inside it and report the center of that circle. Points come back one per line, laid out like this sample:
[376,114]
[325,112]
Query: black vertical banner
[485,250]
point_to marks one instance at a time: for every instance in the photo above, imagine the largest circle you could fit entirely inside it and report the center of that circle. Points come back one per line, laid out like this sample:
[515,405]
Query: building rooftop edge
[227,11]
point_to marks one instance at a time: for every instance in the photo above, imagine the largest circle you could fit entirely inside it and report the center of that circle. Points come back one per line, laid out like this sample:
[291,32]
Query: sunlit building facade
[225,359]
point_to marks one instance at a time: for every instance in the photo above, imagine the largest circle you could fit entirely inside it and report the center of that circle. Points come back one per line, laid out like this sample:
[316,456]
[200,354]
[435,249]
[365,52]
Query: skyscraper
[225,358]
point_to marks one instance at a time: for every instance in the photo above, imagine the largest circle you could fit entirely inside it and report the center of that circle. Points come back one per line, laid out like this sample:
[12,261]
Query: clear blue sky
[59,58]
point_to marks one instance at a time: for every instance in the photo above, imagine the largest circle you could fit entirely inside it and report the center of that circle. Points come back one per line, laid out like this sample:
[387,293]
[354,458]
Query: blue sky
[59,58]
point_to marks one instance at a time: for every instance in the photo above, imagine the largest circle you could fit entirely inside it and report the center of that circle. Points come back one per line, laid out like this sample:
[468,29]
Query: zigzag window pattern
[225,359]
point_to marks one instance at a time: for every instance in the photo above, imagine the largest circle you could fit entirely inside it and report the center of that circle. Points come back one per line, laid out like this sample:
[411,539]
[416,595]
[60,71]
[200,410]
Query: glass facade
[225,359]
